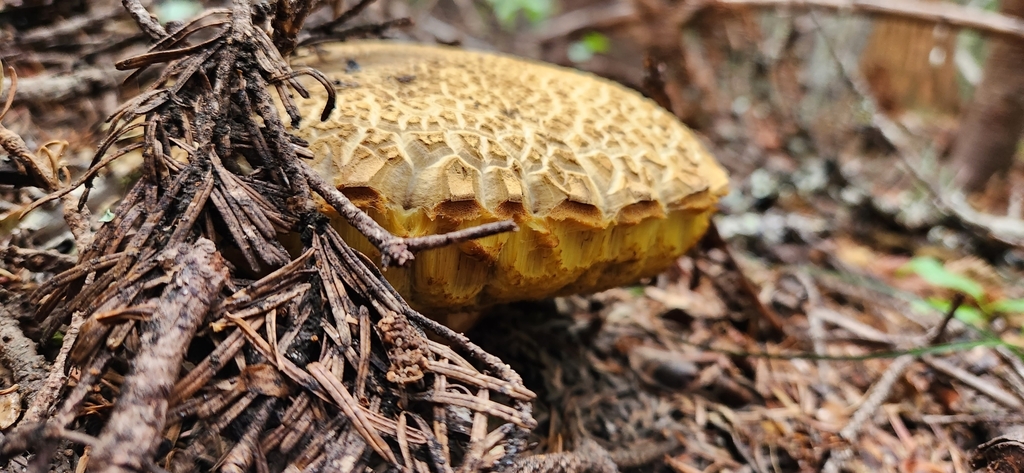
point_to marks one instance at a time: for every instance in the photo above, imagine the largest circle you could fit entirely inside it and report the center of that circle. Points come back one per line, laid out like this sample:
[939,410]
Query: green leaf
[596,42]
[535,11]
[107,216]
[932,271]
[967,314]
[971,316]
[1007,306]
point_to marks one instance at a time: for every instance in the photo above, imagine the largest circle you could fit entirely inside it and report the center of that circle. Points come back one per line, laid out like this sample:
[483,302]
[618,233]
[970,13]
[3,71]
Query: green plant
[535,11]
[590,44]
[976,312]
[107,216]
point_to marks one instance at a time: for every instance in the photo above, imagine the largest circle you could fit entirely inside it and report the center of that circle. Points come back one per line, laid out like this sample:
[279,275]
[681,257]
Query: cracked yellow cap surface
[606,186]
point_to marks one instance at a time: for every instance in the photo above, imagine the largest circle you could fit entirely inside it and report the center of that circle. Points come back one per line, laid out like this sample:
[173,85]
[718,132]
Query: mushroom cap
[606,186]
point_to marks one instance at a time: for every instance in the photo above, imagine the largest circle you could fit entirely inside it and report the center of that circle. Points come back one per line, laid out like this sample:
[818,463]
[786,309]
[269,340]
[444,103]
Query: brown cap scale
[606,186]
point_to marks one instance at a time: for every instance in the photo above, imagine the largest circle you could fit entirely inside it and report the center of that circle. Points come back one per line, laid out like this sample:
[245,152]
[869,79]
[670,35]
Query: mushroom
[605,186]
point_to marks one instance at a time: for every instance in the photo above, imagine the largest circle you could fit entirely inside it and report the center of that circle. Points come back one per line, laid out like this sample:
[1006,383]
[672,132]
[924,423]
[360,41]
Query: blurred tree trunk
[987,141]
[909,66]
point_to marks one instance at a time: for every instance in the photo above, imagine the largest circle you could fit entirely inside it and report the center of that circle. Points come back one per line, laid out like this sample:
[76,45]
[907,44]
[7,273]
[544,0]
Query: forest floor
[846,314]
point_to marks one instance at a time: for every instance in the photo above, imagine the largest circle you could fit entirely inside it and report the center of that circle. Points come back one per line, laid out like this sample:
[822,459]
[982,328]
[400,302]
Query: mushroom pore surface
[606,187]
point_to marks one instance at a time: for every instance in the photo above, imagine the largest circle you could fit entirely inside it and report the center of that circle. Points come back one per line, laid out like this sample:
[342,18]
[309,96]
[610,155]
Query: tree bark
[987,141]
[909,66]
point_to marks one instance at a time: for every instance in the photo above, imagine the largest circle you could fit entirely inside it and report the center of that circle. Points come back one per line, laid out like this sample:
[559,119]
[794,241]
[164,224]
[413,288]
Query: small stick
[436,241]
[37,260]
[345,16]
[47,393]
[394,250]
[979,384]
[940,331]
[372,30]
[147,21]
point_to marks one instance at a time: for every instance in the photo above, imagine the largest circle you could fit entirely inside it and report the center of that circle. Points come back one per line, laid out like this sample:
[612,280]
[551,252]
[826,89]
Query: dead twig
[394,250]
[46,395]
[17,352]
[42,169]
[36,260]
[147,22]
[987,388]
[940,331]
[361,31]
[134,430]
[58,88]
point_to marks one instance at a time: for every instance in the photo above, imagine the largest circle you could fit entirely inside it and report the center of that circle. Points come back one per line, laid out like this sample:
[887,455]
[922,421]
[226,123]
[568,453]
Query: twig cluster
[290,363]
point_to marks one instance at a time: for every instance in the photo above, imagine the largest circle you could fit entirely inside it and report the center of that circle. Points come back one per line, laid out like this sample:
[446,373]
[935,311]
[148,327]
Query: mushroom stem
[394,249]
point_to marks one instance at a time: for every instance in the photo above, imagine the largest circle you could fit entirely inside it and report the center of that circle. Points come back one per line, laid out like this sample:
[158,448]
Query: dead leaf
[10,406]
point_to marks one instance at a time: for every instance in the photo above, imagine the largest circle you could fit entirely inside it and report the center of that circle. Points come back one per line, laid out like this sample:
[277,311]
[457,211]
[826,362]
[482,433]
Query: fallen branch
[38,261]
[936,12]
[17,352]
[133,433]
[58,88]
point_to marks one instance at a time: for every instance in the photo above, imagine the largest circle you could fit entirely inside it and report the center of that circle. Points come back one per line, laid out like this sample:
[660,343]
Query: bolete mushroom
[605,186]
